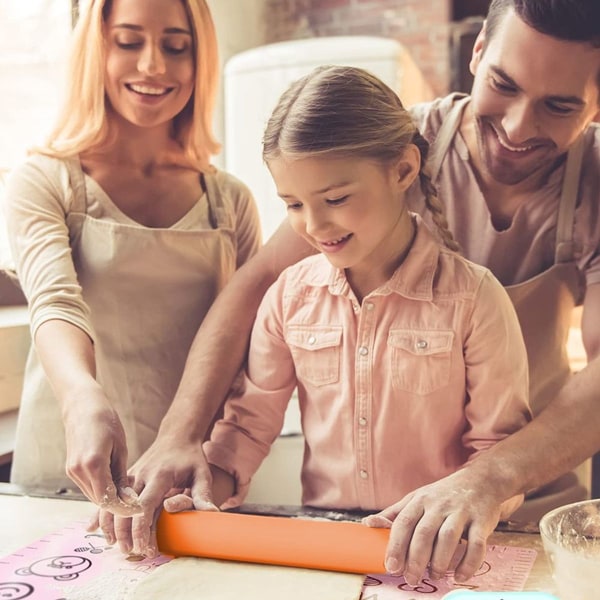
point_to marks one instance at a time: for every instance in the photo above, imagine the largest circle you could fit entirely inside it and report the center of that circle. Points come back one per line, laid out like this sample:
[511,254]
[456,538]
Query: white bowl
[571,538]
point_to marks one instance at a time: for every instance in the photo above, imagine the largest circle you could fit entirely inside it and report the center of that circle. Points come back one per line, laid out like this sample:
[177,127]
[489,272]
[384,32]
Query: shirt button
[362,421]
[364,474]
[312,339]
[370,306]
[422,344]
[363,351]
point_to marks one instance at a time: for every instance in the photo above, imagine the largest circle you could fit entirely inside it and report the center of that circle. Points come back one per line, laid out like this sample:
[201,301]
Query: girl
[123,234]
[408,359]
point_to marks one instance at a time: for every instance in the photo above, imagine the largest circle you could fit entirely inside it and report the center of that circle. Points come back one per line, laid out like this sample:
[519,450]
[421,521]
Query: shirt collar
[412,279]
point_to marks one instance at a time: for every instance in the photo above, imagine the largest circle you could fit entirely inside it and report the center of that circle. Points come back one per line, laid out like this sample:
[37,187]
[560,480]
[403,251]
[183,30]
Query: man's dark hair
[570,20]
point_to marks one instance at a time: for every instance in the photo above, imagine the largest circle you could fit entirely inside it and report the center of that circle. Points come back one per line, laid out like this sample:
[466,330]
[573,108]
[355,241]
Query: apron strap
[566,212]
[218,214]
[568,201]
[445,136]
[76,176]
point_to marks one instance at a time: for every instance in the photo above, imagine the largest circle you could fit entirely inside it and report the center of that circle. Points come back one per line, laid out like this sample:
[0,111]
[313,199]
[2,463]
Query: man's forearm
[220,346]
[217,354]
[558,439]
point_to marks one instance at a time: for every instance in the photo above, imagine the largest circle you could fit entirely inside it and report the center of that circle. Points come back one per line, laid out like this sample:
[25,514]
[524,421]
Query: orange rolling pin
[311,544]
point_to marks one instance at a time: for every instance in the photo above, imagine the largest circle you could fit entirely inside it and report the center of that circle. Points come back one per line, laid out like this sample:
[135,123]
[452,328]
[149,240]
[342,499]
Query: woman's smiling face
[149,60]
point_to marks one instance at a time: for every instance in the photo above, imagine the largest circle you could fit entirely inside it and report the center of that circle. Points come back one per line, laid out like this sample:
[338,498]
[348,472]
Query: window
[33,41]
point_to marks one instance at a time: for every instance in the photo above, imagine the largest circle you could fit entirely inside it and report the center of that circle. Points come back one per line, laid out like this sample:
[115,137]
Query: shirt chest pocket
[316,350]
[421,359]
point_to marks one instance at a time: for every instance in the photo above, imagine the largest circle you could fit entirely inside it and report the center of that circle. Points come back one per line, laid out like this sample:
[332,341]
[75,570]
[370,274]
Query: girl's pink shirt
[394,393]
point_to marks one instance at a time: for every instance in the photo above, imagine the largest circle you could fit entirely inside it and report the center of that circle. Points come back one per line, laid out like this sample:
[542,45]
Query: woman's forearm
[67,355]
[96,458]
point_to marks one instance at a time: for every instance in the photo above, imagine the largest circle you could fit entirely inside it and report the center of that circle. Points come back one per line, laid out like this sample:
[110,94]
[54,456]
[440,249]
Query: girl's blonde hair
[82,123]
[347,111]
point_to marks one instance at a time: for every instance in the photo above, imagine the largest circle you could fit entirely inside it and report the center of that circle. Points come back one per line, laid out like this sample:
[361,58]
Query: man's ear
[477,50]
[407,167]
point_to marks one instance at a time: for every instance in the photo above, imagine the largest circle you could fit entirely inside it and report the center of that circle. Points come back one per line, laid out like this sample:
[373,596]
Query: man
[517,165]
[517,168]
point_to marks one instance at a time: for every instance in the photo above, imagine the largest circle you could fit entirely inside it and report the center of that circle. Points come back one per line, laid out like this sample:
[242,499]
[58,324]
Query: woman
[123,234]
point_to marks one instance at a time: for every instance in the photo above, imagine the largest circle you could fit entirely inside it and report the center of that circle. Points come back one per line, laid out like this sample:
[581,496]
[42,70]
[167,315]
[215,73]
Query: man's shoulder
[590,171]
[592,140]
[428,116]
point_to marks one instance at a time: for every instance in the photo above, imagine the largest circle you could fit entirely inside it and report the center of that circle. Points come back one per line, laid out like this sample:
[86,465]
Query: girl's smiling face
[150,67]
[350,209]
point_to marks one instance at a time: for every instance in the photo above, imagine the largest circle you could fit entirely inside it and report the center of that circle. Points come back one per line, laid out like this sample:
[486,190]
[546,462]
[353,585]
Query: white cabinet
[14,346]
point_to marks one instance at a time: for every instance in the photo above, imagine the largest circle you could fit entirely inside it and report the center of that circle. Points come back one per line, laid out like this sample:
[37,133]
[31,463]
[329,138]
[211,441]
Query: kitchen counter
[24,519]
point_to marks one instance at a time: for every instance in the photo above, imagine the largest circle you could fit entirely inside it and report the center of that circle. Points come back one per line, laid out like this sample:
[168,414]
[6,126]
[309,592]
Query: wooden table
[24,519]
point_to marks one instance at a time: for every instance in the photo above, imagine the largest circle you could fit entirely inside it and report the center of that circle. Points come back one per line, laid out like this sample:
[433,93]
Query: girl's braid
[432,201]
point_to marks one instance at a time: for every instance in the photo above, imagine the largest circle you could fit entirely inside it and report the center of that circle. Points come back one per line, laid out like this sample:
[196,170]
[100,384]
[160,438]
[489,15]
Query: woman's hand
[95,441]
[97,453]
[427,526]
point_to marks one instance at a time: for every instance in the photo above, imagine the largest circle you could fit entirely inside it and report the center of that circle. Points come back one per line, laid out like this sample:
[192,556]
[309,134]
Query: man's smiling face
[532,97]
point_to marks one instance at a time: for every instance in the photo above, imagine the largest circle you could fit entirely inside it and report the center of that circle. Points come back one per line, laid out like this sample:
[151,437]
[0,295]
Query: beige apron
[148,290]
[544,305]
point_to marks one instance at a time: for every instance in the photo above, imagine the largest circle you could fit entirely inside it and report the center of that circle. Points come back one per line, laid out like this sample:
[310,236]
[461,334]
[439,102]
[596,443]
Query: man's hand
[166,470]
[428,524]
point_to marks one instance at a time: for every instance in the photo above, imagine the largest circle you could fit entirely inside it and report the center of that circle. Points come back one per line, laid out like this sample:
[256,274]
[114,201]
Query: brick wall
[422,26]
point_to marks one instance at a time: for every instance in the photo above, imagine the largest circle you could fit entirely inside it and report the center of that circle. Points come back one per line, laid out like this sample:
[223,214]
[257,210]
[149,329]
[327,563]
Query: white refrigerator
[255,79]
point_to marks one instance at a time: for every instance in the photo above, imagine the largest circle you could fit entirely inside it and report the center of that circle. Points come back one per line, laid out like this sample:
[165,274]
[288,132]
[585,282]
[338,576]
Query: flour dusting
[109,586]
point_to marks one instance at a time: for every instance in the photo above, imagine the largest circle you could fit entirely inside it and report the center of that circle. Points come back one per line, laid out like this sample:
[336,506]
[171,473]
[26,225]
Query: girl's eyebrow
[324,190]
[171,30]
[332,187]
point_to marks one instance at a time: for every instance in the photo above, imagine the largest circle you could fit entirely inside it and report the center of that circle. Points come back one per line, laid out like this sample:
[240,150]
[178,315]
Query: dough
[207,579]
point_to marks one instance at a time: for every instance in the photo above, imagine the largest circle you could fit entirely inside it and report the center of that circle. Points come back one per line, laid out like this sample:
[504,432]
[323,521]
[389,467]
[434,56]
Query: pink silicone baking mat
[73,564]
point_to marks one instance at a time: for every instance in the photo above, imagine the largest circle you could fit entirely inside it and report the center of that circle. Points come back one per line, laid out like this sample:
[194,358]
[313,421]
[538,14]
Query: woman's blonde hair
[82,123]
[347,111]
